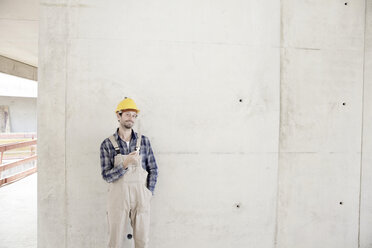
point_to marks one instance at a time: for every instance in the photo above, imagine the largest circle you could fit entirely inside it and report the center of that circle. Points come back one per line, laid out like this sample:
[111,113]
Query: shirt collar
[133,135]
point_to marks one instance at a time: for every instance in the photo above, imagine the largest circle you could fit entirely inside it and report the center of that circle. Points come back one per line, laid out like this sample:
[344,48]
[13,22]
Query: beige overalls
[129,199]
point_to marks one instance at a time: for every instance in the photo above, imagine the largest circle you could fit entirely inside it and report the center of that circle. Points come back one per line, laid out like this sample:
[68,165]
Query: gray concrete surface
[258,103]
[18,214]
[366,169]
[16,68]
[321,123]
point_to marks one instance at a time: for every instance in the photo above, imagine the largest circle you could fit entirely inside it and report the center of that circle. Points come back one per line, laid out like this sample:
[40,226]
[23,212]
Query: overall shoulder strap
[138,145]
[115,144]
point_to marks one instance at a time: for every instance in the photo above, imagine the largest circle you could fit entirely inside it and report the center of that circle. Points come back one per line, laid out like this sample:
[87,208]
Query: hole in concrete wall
[345,3]
[237,205]
[240,100]
[341,203]
[129,236]
[344,103]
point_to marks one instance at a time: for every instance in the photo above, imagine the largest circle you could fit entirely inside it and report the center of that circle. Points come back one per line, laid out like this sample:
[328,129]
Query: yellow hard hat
[127,103]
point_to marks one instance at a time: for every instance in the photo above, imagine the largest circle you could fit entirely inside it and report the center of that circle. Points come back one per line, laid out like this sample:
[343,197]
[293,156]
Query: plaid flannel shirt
[111,173]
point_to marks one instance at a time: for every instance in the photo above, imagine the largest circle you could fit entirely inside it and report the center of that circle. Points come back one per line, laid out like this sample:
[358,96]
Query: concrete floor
[18,214]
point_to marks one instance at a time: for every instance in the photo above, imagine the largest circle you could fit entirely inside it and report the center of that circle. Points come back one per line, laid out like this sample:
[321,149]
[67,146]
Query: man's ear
[118,116]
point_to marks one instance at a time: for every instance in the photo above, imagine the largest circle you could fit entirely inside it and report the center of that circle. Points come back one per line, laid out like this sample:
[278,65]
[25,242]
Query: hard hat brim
[124,110]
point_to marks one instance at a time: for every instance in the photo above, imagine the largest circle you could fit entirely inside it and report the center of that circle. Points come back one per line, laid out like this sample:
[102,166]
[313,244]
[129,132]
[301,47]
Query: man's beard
[128,125]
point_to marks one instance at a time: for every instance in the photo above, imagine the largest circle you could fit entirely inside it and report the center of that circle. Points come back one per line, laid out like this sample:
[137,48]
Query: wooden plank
[9,141]
[31,135]
[19,152]
[16,163]
[12,179]
[7,147]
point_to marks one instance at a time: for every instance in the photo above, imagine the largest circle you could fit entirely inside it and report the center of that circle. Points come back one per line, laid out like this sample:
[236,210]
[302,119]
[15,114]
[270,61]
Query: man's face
[127,118]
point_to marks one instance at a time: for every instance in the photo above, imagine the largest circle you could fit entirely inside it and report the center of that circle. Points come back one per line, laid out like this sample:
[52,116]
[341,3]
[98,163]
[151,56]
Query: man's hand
[131,158]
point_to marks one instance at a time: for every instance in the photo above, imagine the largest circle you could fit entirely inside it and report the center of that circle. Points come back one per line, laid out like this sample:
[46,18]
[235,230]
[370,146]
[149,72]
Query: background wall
[366,170]
[321,123]
[254,110]
[22,113]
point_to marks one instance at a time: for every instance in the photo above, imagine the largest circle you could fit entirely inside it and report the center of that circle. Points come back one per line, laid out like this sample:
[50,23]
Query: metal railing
[6,166]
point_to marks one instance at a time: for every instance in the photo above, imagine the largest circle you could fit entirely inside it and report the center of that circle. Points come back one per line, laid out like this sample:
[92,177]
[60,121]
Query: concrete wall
[321,121]
[22,113]
[242,102]
[366,175]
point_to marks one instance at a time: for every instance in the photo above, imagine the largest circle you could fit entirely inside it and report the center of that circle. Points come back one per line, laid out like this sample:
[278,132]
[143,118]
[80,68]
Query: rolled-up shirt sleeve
[151,167]
[109,172]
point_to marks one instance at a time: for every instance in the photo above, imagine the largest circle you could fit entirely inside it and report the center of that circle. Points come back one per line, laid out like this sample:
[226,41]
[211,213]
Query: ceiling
[19,23]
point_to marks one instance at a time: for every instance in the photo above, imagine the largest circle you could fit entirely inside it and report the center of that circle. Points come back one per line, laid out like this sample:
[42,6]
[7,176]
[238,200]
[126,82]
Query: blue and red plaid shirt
[110,173]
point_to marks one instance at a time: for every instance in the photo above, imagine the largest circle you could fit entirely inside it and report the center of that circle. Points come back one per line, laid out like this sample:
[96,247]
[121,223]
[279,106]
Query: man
[128,164]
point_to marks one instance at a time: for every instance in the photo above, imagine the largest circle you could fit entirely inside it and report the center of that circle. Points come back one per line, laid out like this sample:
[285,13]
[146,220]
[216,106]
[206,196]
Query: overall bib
[129,200]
